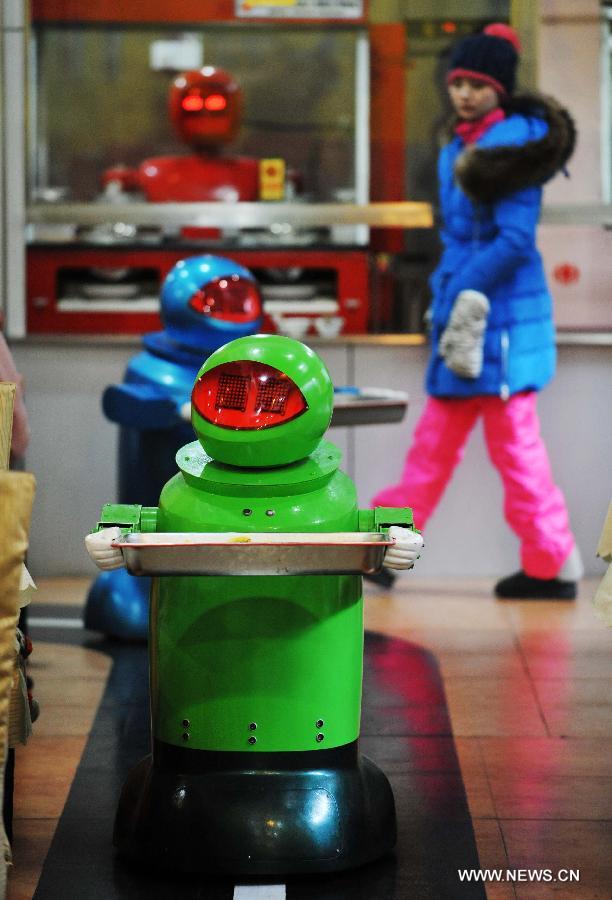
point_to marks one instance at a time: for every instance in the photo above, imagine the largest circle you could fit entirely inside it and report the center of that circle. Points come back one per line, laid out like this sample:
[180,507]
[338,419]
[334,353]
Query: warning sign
[271,179]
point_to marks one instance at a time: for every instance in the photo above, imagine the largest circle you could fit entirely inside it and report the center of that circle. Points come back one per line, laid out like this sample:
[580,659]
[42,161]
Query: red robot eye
[195,102]
[231,298]
[192,103]
[247,395]
[215,103]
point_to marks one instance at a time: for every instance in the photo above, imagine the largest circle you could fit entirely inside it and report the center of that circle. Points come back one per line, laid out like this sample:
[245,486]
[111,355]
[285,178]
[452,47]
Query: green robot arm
[382,517]
[128,517]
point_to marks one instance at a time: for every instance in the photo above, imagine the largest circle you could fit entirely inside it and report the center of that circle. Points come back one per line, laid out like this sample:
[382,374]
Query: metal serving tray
[234,553]
[368,406]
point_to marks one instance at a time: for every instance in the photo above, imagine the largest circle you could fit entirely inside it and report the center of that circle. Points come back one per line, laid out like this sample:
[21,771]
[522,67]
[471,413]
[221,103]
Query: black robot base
[255,813]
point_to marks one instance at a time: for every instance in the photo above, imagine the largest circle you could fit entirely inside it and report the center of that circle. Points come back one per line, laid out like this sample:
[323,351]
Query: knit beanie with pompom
[491,56]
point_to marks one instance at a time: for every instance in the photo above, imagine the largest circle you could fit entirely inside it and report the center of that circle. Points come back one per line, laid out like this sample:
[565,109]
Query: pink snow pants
[534,506]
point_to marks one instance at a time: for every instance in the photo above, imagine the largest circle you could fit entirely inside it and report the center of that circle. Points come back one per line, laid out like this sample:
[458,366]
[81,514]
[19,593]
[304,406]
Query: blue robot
[206,301]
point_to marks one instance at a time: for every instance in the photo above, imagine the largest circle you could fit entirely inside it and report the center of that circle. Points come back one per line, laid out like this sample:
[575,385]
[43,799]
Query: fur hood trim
[488,174]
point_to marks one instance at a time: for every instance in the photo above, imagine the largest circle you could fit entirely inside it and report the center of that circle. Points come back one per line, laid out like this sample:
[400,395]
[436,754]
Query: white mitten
[98,545]
[405,551]
[461,344]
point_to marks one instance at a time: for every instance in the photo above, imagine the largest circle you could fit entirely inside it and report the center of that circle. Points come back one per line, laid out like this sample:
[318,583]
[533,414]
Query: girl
[492,334]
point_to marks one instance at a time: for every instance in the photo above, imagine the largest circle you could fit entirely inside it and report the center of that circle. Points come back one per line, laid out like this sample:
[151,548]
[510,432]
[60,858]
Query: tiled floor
[528,689]
[529,692]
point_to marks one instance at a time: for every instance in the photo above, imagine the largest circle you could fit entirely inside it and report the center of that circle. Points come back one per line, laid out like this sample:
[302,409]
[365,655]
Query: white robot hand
[98,545]
[405,551]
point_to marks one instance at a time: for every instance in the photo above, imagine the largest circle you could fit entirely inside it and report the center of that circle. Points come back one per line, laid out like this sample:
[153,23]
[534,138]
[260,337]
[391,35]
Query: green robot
[256,678]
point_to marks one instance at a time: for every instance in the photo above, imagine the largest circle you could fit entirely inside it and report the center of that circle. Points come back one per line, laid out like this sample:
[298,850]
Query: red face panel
[232,298]
[205,107]
[247,395]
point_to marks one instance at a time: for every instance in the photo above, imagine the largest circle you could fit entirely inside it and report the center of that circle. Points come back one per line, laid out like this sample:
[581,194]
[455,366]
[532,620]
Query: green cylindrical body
[257,663]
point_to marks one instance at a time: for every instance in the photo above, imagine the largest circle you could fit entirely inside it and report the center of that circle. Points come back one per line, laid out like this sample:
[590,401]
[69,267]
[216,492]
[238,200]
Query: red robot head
[205,107]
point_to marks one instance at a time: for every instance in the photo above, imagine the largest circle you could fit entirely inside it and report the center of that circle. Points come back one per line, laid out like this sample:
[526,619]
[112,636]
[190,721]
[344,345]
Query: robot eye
[232,392]
[194,102]
[215,103]
[247,395]
[231,298]
[272,394]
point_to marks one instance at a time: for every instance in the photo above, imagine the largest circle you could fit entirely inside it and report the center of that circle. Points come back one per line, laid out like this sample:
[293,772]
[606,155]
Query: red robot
[205,108]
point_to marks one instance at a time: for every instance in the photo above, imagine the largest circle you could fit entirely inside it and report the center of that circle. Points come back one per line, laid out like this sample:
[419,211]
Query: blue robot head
[208,300]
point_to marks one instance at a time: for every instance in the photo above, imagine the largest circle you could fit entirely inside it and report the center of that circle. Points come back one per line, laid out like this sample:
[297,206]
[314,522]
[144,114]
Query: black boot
[523,587]
[385,578]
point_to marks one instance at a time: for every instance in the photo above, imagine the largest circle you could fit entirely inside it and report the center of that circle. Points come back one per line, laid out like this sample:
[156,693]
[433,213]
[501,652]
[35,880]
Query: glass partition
[97,102]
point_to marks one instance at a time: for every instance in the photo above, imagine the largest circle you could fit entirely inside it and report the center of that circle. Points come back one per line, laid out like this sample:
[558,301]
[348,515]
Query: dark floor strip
[406,730]
[54,611]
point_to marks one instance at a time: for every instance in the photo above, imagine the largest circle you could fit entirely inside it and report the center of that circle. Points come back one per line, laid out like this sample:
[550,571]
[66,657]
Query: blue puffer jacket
[489,246]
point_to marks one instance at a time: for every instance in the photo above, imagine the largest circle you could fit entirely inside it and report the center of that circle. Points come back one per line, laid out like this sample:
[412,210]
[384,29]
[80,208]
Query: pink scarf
[471,131]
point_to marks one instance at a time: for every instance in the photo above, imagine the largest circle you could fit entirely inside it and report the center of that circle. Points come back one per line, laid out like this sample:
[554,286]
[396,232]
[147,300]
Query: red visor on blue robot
[231,298]
[247,395]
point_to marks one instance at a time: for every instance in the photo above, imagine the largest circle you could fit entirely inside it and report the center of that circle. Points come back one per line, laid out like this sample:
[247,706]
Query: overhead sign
[299,9]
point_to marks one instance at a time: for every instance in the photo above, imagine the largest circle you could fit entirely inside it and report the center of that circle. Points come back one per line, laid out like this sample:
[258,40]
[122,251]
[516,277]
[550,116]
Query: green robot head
[261,401]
